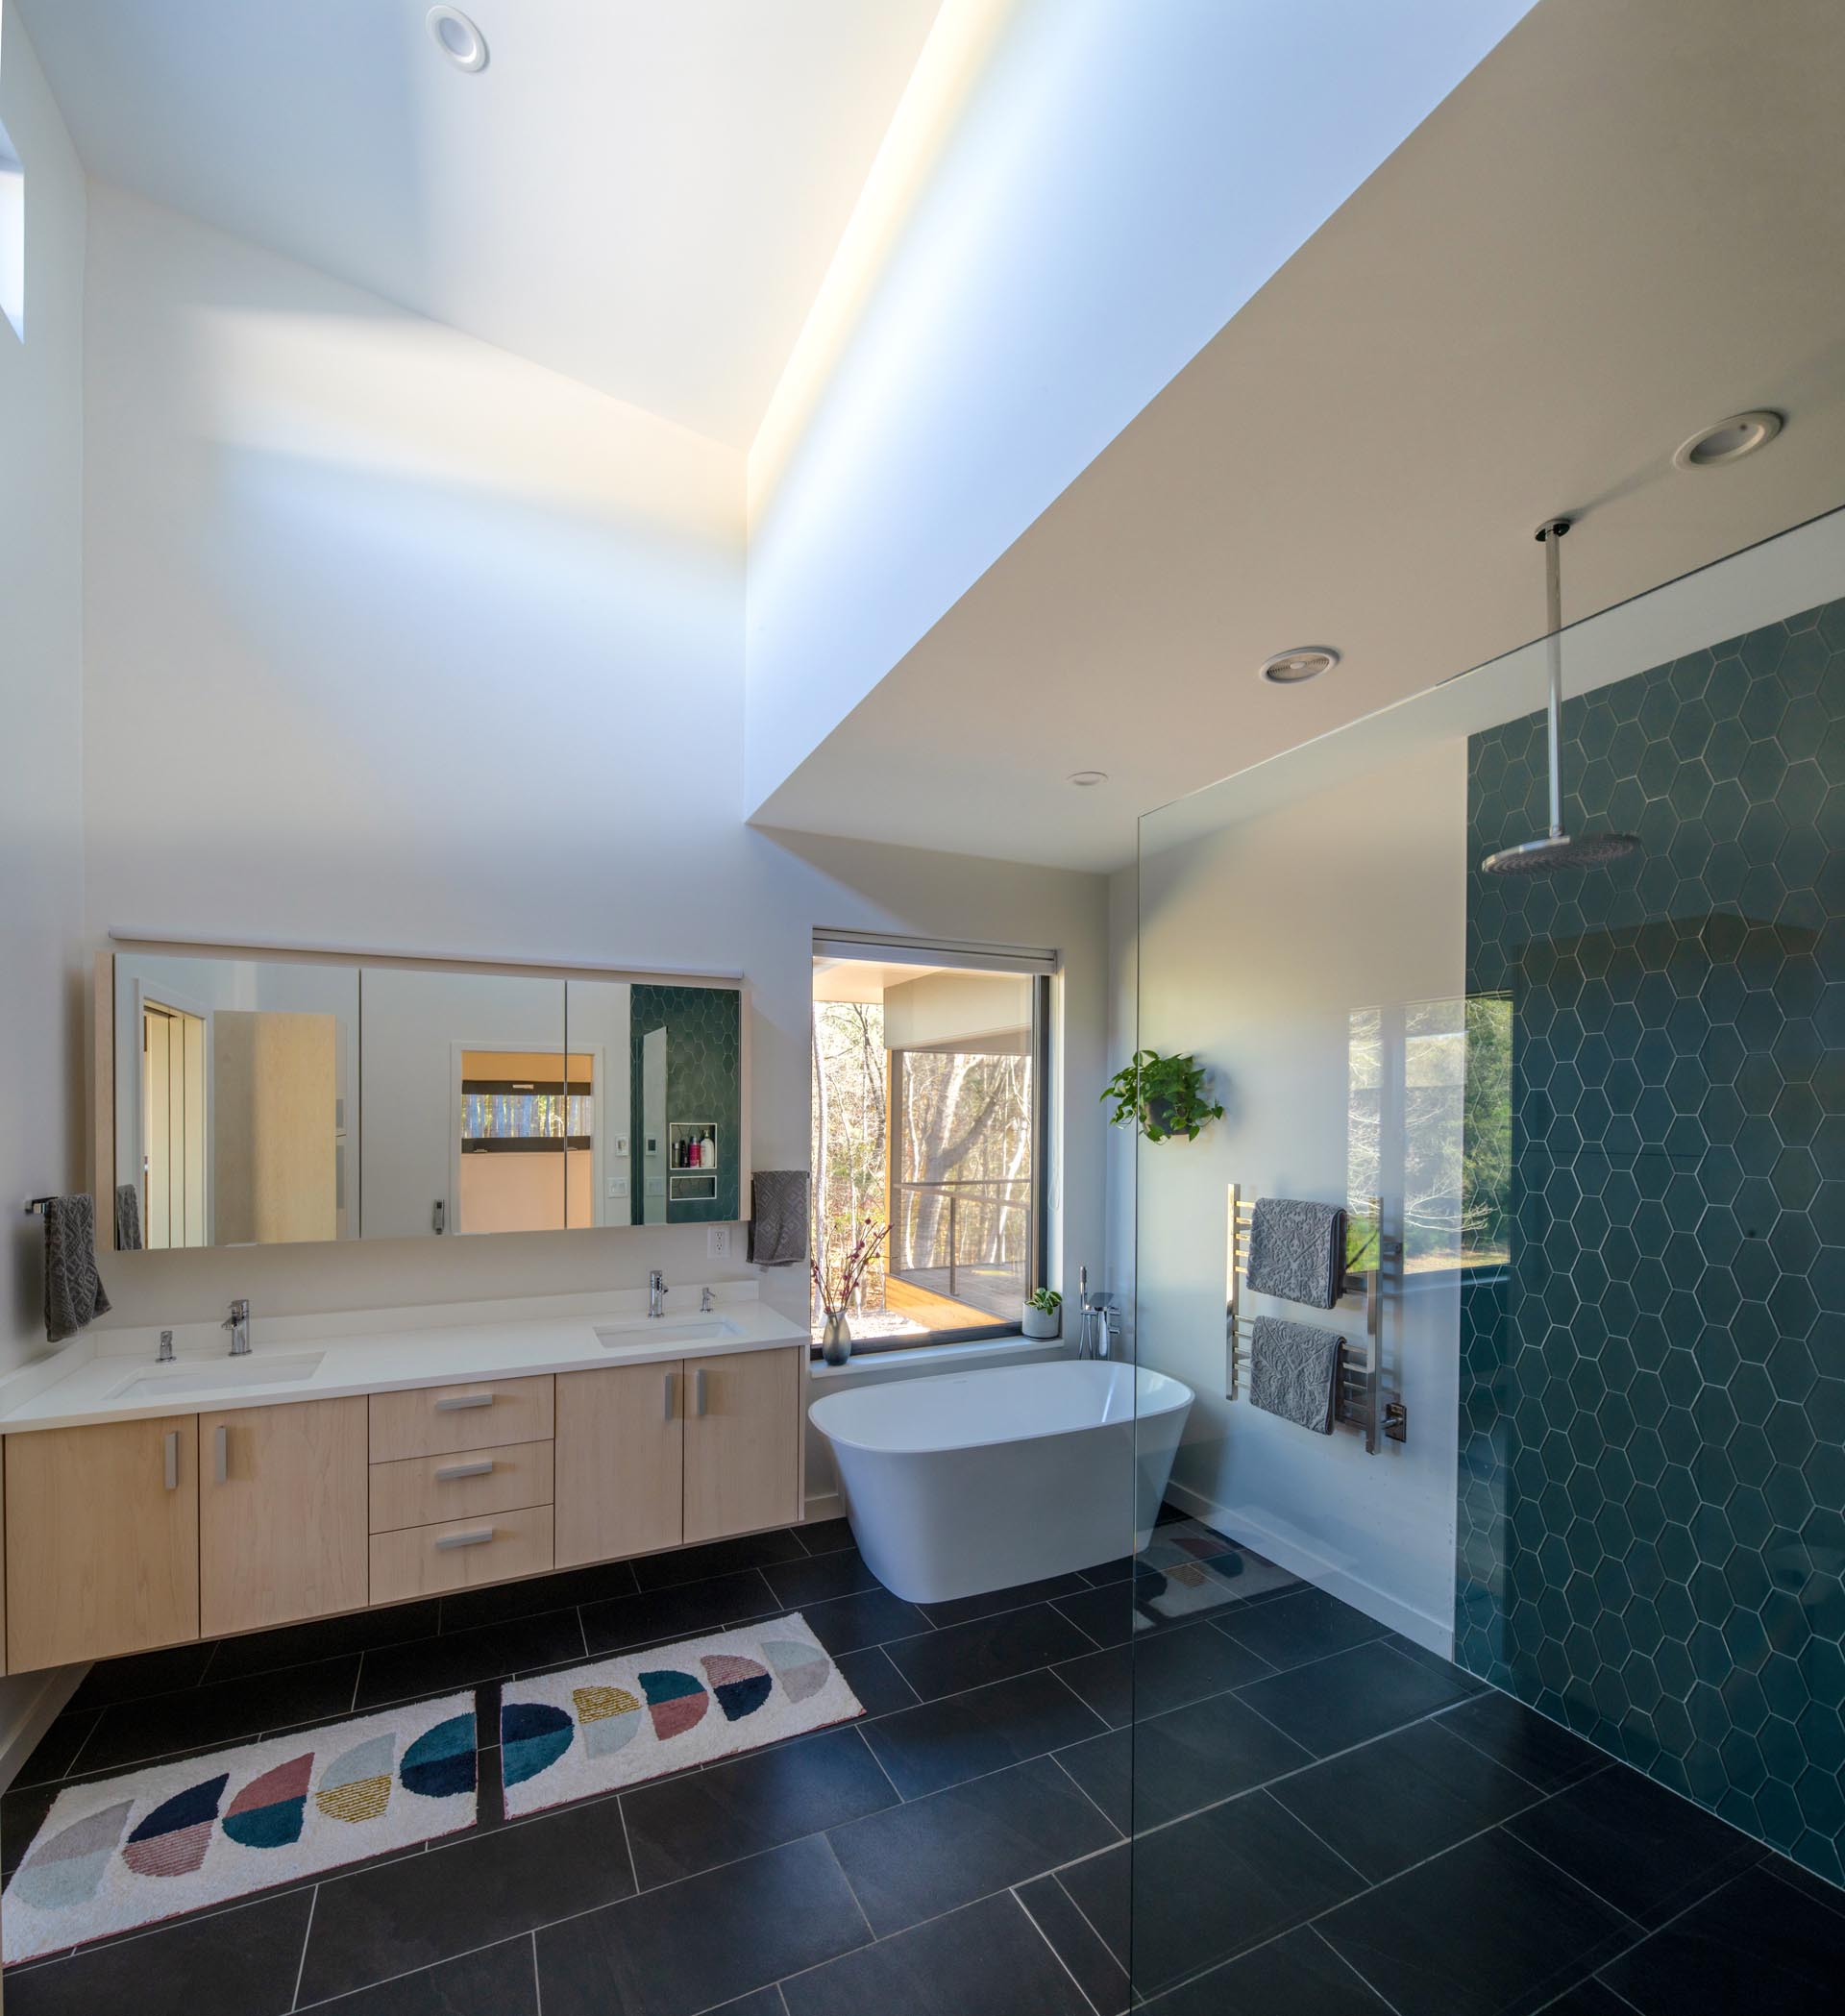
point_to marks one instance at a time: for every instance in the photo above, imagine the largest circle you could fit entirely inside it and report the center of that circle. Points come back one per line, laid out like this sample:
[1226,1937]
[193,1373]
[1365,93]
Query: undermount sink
[690,1330]
[217,1375]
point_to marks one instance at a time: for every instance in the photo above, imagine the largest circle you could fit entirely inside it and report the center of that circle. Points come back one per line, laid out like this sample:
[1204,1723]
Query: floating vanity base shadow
[119,1853]
[619,1721]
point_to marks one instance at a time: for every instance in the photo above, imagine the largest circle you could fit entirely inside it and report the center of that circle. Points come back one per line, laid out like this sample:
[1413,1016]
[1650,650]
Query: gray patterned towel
[1297,1251]
[127,1219]
[1294,1372]
[778,1218]
[73,1288]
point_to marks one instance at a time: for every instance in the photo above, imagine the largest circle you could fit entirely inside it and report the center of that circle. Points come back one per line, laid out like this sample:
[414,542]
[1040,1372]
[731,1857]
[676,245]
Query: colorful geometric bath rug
[567,1735]
[150,1844]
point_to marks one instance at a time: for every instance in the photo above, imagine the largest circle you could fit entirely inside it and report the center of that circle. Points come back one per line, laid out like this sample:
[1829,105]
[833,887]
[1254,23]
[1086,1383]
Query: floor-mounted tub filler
[975,1481]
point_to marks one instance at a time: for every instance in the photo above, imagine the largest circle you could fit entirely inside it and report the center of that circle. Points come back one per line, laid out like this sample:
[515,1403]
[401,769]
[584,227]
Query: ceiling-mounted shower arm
[1549,537]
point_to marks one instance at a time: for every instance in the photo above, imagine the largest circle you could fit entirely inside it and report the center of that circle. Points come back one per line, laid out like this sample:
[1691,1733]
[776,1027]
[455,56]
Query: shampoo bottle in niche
[695,1153]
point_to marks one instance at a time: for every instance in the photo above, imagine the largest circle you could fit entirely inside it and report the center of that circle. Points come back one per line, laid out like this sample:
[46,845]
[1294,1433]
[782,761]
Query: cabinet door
[282,1513]
[101,1540]
[620,1461]
[742,1442]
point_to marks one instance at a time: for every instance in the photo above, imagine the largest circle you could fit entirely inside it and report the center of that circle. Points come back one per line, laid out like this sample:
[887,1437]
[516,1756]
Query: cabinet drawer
[421,1490]
[443,1420]
[424,1561]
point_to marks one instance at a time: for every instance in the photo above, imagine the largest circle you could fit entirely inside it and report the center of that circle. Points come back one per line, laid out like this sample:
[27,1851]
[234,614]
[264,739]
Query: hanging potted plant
[837,1281]
[1161,1096]
[1041,1318]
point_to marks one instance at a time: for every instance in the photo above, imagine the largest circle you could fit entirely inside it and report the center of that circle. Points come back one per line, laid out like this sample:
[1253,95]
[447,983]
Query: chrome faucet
[1095,1338]
[707,1302]
[164,1355]
[656,1293]
[237,1322]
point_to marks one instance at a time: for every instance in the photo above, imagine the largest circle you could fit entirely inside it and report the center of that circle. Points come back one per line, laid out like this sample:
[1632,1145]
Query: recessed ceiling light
[457,38]
[1087,780]
[1293,668]
[1728,441]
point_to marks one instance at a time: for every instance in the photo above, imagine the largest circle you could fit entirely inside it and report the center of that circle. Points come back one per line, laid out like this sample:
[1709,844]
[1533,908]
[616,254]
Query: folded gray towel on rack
[73,1288]
[1294,1372]
[778,1218]
[127,1219]
[1297,1251]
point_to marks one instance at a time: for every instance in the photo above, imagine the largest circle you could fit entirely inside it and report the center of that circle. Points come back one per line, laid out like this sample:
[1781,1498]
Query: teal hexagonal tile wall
[1652,1488]
[704,1082]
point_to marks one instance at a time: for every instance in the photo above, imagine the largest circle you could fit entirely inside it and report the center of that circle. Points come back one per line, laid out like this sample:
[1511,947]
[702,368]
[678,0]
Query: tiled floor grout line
[1120,1833]
[537,1980]
[306,1933]
[1088,1998]
[1313,1931]
[627,1842]
[858,1729]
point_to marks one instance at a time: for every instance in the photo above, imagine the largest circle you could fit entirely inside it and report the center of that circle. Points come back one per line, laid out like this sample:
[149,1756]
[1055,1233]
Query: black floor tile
[819,1578]
[702,1942]
[1207,1888]
[987,1729]
[1403,1798]
[935,1854]
[1302,1625]
[1590,1999]
[1540,1750]
[468,1610]
[825,1535]
[1164,1671]
[684,1612]
[964,1610]
[474,1891]
[1081,1947]
[463,1659]
[248,1955]
[1756,1947]
[881,1689]
[1105,1615]
[1297,1974]
[872,1618]
[56,1751]
[764,2002]
[1117,1570]
[141,1673]
[1351,1697]
[683,1824]
[1436,1662]
[1174,1763]
[498,1980]
[1645,1849]
[699,1563]
[322,1639]
[1484,1930]
[992,1648]
[987,1959]
[22,1814]
[1251,1575]
[223,1712]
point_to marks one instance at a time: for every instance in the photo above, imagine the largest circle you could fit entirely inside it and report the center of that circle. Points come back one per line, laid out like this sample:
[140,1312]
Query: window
[12,238]
[928,1085]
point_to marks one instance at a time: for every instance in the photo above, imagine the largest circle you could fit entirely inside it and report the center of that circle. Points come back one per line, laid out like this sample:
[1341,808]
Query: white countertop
[111,1376]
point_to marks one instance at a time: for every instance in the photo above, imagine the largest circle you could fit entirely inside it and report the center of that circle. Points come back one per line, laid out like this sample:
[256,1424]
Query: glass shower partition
[1587,1444]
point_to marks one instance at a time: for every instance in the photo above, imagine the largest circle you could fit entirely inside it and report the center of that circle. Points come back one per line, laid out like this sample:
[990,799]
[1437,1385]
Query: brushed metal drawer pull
[697,1391]
[449,1472]
[451,1402]
[171,1438]
[221,1454]
[464,1540]
[669,1396]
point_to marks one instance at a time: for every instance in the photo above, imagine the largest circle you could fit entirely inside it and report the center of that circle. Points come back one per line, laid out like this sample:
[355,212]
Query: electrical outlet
[618,1185]
[717,1242]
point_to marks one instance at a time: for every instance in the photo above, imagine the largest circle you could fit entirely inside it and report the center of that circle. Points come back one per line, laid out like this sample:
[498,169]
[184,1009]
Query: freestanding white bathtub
[982,1480]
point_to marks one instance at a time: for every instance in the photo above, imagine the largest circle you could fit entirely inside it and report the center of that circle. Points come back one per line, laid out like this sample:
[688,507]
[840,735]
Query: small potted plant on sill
[1161,1096]
[837,1282]
[1041,1318]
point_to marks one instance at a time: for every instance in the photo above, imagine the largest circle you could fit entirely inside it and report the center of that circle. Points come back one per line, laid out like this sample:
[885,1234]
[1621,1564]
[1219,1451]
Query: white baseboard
[1433,1633]
[30,1703]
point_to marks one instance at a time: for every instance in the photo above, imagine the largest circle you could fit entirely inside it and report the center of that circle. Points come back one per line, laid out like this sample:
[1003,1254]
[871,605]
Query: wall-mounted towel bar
[1361,1400]
[36,1204]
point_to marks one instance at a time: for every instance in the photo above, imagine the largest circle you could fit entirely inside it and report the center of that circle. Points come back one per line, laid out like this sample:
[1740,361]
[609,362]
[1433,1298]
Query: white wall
[1118,183]
[1258,943]
[41,674]
[395,639]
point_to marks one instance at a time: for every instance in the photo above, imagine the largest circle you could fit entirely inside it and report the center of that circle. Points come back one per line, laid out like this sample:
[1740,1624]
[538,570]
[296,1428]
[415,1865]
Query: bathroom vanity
[339,1467]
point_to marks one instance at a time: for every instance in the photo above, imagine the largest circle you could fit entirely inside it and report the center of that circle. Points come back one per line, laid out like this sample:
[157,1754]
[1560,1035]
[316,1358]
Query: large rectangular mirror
[258,1101]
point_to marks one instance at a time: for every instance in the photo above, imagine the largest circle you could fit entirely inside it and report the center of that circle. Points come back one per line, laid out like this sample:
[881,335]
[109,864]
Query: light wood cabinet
[423,1490]
[102,1532]
[282,1513]
[742,1442]
[426,1560]
[442,1420]
[620,1461]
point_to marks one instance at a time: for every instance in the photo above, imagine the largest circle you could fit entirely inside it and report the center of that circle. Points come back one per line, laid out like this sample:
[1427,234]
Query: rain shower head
[1556,851]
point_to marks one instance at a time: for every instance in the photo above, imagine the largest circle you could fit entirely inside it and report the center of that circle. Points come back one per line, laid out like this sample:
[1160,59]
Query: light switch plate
[717,1242]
